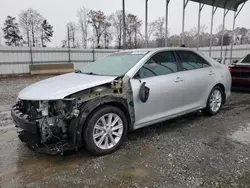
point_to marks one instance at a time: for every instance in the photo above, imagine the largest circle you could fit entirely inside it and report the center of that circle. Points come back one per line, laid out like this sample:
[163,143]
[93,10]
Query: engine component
[43,108]
[52,128]
[74,114]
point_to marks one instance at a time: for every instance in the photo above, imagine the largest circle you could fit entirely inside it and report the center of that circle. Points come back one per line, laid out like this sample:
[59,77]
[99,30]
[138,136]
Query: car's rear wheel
[105,130]
[215,101]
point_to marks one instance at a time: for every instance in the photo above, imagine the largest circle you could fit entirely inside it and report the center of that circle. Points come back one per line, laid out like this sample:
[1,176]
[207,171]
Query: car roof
[158,49]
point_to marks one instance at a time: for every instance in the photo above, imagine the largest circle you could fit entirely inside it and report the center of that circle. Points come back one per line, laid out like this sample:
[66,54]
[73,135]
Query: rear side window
[246,59]
[191,61]
[162,63]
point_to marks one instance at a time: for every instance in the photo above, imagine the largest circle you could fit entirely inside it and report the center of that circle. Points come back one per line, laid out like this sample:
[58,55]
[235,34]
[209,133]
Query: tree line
[102,31]
[31,29]
[106,31]
[95,29]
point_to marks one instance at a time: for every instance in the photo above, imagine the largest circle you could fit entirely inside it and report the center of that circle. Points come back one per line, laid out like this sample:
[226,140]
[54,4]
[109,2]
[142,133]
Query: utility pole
[166,29]
[124,24]
[146,25]
[199,24]
[185,2]
[69,43]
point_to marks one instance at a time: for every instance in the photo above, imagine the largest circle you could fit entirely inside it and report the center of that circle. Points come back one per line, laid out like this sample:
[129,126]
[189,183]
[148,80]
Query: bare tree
[31,21]
[222,33]
[174,40]
[203,28]
[98,20]
[151,31]
[82,15]
[137,27]
[204,36]
[107,34]
[132,27]
[219,29]
[25,25]
[71,29]
[190,38]
[194,30]
[117,22]
[160,30]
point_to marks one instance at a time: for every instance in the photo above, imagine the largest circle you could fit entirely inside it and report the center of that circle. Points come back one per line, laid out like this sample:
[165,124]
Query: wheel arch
[77,125]
[222,87]
[122,107]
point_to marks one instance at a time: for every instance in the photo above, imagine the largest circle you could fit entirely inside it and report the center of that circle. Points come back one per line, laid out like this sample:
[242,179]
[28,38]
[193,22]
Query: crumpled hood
[61,86]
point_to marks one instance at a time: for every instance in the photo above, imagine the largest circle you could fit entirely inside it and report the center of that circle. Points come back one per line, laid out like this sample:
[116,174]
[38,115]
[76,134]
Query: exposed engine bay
[57,121]
[52,117]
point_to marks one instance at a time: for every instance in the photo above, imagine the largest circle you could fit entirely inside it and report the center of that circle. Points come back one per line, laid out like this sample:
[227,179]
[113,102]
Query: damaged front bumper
[29,133]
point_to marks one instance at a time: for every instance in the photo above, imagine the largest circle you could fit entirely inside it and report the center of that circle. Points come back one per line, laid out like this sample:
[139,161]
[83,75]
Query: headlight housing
[44,108]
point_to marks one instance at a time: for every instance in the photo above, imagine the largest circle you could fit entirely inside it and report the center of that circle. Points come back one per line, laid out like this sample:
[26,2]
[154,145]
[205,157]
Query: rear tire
[214,101]
[105,130]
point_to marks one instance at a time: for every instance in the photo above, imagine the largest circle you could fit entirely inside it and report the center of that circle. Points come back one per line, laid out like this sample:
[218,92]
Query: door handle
[211,73]
[178,79]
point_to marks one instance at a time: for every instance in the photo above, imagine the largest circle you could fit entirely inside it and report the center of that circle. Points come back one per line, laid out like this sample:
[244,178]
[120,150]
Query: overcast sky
[59,12]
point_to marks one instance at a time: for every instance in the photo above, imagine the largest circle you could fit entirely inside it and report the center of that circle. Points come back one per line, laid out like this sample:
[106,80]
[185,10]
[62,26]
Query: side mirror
[144,92]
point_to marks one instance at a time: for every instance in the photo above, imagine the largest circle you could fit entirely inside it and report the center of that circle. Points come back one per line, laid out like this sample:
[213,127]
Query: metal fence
[16,60]
[239,51]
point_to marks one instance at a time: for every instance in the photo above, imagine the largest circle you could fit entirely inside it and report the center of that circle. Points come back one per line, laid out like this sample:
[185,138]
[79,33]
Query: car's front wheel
[105,130]
[215,101]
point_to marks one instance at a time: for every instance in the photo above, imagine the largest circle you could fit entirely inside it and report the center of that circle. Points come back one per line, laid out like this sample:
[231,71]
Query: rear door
[198,79]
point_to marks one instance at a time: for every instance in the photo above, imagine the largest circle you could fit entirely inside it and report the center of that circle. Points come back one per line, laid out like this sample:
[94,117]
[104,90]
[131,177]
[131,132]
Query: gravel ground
[194,151]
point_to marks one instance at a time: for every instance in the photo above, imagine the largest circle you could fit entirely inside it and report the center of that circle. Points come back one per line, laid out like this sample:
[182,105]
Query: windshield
[114,65]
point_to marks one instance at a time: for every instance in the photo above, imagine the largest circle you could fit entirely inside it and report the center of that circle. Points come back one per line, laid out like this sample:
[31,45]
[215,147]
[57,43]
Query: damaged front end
[55,126]
[43,125]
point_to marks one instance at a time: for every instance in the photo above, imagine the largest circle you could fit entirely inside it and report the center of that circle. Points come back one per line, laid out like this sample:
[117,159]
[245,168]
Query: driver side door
[161,76]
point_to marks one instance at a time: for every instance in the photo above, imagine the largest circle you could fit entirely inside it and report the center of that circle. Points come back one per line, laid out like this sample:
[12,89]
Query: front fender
[77,124]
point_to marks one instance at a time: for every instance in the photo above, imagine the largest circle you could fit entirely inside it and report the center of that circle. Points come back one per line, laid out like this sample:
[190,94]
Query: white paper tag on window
[139,53]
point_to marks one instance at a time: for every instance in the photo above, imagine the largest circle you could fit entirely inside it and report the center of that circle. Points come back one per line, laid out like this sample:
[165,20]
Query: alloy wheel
[215,100]
[108,131]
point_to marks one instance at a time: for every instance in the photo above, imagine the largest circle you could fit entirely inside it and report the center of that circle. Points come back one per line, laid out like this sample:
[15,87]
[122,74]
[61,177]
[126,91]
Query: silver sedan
[96,106]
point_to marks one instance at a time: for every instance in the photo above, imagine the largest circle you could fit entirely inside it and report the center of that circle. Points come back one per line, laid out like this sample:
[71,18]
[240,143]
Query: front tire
[214,102]
[105,130]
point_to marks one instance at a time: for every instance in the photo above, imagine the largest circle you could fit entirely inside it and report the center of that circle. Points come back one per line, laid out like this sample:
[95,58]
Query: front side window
[114,65]
[191,61]
[162,63]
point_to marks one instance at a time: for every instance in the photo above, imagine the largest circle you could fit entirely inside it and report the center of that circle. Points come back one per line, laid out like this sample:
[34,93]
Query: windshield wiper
[89,73]
[77,71]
